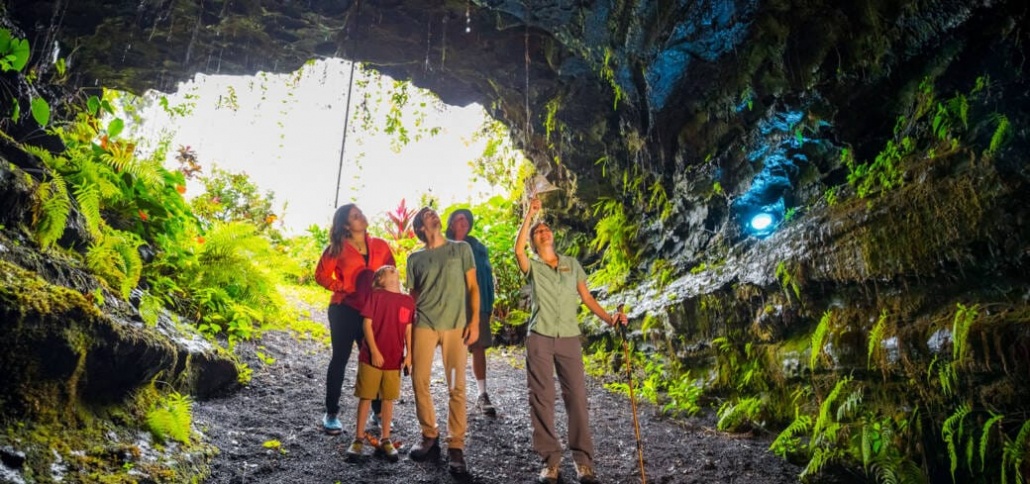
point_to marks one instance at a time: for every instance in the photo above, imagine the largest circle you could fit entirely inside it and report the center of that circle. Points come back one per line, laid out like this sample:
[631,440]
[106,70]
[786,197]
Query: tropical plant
[171,417]
[615,239]
[233,197]
[398,225]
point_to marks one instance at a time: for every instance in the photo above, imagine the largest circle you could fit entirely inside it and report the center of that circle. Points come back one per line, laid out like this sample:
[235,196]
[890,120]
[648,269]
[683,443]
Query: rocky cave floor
[284,402]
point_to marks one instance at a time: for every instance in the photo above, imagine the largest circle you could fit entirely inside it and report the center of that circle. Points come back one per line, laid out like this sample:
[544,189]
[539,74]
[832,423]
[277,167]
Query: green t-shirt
[438,275]
[555,297]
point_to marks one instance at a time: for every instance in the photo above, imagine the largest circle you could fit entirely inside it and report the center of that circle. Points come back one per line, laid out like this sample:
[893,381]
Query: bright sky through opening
[284,131]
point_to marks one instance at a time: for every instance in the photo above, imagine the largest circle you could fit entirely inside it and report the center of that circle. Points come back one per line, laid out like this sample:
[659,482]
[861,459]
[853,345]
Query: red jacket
[347,274]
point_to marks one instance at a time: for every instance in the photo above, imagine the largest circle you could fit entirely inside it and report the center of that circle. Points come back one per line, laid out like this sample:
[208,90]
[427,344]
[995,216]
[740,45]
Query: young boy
[387,328]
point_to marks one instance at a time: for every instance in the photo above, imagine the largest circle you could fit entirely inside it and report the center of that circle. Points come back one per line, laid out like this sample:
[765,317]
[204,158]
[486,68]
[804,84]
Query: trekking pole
[632,399]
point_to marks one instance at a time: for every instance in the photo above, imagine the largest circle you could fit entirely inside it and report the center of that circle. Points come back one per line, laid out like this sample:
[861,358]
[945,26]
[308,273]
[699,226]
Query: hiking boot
[585,474]
[456,461]
[388,450]
[484,405]
[428,448]
[354,451]
[331,424]
[549,474]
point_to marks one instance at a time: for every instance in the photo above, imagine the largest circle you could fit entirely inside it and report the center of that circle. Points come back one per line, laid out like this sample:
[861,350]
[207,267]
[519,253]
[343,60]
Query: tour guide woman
[346,268]
[558,284]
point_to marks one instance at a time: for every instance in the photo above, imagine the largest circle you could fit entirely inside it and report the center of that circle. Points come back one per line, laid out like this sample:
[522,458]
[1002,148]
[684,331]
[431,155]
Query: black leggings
[345,329]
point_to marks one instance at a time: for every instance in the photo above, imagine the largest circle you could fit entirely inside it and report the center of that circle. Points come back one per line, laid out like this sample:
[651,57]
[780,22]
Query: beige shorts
[375,383]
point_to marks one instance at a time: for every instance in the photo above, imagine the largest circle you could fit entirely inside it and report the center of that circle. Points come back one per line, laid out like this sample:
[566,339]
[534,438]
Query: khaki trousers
[455,357]
[544,356]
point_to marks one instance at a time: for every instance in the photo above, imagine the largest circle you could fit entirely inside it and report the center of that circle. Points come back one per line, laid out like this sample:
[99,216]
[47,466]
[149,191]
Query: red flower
[181,189]
[143,216]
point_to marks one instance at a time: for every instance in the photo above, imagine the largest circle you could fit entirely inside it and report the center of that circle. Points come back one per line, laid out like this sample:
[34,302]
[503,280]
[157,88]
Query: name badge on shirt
[404,315]
[564,268]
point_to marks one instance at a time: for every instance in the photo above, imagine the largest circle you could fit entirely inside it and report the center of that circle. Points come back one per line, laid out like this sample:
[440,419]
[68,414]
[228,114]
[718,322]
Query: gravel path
[284,402]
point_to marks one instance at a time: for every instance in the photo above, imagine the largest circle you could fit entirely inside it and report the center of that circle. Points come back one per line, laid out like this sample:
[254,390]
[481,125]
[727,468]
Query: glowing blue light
[761,221]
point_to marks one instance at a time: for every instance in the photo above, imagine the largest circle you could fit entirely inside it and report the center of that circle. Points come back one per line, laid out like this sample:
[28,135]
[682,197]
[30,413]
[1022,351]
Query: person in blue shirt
[459,224]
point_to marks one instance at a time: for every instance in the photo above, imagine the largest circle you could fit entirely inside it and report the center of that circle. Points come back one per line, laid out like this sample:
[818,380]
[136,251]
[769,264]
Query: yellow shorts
[374,383]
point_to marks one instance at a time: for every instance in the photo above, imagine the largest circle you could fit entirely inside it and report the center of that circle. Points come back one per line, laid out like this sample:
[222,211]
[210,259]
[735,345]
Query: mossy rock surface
[60,350]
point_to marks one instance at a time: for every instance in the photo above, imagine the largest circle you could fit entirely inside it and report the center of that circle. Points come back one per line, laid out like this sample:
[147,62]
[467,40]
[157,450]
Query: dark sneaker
[331,424]
[585,473]
[388,450]
[456,461]
[428,448]
[484,405]
[354,451]
[376,422]
[549,474]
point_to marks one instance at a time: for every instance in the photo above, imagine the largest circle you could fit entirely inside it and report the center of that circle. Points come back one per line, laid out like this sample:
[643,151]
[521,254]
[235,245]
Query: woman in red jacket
[346,268]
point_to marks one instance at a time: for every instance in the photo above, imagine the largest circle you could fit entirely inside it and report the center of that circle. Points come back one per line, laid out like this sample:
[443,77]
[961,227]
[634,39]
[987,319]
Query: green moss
[28,293]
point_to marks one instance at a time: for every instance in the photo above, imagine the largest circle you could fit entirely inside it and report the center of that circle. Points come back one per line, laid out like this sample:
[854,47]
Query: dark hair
[339,230]
[532,232]
[377,279]
[464,212]
[417,224]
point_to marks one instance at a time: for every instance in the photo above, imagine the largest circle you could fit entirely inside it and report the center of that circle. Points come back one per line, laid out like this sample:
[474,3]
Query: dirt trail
[284,402]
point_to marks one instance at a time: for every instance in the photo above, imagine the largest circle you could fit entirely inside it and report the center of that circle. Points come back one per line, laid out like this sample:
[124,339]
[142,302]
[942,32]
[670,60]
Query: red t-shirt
[391,313]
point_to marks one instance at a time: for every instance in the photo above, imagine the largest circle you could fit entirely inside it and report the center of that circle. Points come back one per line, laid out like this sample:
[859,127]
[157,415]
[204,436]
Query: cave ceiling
[660,83]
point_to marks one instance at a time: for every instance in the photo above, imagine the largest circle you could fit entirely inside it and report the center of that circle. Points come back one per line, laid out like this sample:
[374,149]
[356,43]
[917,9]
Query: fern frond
[50,160]
[850,404]
[1014,453]
[125,162]
[171,417]
[1000,134]
[964,318]
[732,415]
[824,410]
[985,437]
[876,336]
[819,339]
[820,457]
[788,438]
[951,433]
[88,198]
[50,213]
[897,469]
[115,259]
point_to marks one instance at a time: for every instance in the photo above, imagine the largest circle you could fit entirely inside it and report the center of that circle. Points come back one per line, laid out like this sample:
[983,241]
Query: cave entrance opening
[284,131]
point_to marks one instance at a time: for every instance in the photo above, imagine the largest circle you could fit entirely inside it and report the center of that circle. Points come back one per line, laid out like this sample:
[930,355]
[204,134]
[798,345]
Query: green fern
[964,318]
[825,410]
[850,405]
[171,417]
[819,337]
[985,437]
[820,458]
[123,161]
[115,259]
[788,441]
[88,197]
[876,336]
[1001,134]
[897,469]
[952,431]
[732,415]
[1014,453]
[51,211]
[787,280]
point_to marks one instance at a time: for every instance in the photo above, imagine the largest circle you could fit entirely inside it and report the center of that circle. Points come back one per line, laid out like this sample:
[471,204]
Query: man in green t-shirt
[441,277]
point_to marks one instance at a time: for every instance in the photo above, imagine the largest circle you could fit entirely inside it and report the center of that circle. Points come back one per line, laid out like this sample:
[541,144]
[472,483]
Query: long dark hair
[339,230]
